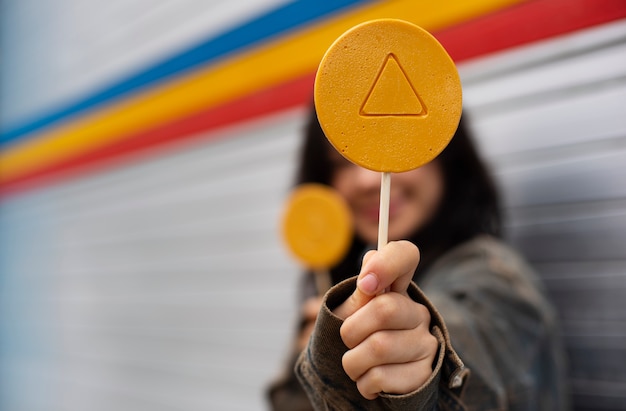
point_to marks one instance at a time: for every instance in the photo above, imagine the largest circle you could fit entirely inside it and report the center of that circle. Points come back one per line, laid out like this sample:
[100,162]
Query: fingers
[391,267]
[310,309]
[393,379]
[303,337]
[389,311]
[390,347]
[355,301]
[396,361]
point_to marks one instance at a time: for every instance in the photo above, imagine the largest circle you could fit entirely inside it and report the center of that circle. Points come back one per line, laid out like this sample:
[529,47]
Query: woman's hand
[310,308]
[388,334]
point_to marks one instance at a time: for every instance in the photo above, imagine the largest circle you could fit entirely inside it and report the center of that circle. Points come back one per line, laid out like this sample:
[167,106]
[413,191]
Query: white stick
[383,215]
[323,281]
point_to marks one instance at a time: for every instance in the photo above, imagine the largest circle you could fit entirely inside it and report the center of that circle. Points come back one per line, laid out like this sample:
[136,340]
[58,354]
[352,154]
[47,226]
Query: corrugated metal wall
[552,121]
[159,286]
[162,284]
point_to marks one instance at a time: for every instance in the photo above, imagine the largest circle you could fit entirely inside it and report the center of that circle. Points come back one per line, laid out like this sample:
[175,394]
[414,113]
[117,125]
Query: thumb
[389,269]
[358,298]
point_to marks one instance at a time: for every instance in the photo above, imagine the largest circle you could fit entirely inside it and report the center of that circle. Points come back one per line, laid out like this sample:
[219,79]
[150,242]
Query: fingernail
[368,284]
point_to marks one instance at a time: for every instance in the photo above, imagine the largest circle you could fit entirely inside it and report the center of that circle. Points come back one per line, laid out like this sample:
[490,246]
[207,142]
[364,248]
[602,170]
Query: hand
[391,348]
[310,308]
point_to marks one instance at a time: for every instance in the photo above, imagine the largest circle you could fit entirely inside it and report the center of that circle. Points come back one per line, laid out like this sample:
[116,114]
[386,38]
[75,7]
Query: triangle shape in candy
[392,93]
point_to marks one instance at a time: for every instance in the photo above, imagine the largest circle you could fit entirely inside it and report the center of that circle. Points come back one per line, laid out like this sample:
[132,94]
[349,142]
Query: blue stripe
[273,23]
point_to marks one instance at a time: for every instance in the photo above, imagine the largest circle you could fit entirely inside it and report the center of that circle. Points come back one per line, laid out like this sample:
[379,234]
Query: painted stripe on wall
[507,28]
[298,54]
[526,23]
[267,101]
[275,22]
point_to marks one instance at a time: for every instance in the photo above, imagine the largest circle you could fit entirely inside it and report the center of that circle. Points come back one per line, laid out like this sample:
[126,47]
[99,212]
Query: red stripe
[525,23]
[286,95]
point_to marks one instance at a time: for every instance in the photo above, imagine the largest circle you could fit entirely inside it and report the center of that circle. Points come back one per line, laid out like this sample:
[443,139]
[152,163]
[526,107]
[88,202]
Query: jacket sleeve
[286,393]
[320,371]
[503,327]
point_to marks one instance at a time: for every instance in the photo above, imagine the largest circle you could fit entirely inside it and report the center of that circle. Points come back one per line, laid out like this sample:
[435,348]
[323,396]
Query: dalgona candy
[317,225]
[388,96]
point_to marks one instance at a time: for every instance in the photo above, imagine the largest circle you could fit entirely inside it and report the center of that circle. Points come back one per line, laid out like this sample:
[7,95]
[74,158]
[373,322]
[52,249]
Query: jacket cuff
[320,370]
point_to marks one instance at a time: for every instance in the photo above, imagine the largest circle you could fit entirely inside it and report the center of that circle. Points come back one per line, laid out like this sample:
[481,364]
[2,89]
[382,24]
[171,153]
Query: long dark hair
[470,206]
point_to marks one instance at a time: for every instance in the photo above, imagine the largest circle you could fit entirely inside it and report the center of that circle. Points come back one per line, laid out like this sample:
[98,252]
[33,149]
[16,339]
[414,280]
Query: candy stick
[383,215]
[323,281]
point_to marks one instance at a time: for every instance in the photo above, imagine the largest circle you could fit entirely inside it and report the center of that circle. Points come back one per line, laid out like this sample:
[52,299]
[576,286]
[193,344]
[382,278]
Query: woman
[478,333]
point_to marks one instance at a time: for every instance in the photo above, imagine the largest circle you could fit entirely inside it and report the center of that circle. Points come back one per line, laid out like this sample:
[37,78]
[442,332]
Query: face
[415,197]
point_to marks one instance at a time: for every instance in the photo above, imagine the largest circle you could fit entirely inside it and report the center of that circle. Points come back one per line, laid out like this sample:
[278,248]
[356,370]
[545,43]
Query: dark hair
[470,206]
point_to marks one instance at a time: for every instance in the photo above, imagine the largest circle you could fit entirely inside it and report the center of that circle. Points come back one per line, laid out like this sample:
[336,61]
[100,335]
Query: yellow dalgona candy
[317,225]
[388,96]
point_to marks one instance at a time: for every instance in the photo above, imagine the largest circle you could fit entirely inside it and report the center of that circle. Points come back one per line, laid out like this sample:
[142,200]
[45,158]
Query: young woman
[478,334]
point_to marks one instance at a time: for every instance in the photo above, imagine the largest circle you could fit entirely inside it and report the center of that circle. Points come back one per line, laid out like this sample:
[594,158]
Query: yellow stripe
[292,55]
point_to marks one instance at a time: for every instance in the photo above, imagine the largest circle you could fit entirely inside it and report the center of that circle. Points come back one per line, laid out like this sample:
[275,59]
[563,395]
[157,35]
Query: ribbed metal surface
[162,284]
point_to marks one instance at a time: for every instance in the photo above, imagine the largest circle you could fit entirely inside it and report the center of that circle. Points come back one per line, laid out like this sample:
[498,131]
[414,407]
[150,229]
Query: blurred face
[415,196]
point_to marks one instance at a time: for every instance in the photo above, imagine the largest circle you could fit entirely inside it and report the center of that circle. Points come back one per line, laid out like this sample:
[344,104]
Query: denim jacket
[498,342]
